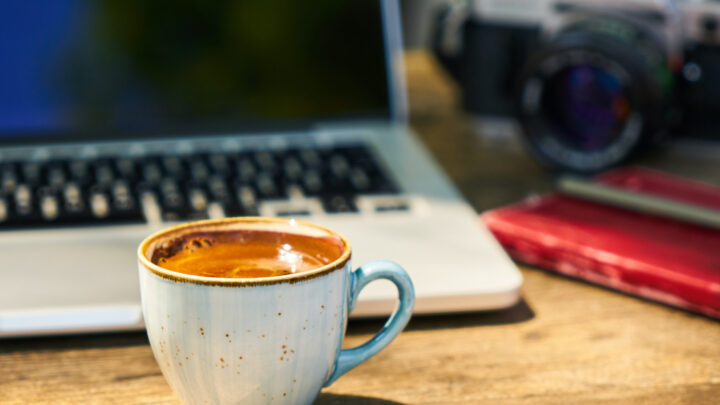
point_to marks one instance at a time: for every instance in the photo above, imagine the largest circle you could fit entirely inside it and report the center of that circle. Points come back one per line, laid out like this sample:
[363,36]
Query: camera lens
[587,99]
[587,107]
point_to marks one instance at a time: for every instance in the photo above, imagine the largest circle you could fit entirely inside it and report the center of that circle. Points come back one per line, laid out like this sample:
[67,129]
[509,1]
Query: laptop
[118,119]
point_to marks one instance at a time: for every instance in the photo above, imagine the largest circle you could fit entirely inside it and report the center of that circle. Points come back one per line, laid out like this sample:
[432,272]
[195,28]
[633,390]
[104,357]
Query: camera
[591,82]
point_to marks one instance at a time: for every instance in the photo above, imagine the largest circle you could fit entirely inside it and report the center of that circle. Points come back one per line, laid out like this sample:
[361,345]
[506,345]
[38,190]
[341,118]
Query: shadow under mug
[258,340]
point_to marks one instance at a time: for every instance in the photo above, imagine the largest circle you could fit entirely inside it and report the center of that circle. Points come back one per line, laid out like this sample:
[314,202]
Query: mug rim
[219,223]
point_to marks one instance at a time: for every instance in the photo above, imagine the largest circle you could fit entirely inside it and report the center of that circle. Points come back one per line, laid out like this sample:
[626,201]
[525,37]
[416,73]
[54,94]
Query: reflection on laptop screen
[79,69]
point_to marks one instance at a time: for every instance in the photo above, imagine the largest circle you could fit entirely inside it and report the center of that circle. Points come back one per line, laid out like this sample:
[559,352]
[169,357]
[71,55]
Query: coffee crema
[246,253]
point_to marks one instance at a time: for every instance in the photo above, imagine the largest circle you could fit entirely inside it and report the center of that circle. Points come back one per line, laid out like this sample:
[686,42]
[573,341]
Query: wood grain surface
[566,342]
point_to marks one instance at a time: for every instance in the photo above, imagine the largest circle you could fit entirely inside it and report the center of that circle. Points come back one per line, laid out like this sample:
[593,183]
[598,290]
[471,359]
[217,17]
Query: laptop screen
[107,69]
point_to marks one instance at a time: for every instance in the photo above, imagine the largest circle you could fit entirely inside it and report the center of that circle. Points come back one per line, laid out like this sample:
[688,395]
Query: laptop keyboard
[184,187]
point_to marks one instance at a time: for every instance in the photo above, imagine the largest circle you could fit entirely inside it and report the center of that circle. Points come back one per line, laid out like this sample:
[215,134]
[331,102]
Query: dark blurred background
[83,68]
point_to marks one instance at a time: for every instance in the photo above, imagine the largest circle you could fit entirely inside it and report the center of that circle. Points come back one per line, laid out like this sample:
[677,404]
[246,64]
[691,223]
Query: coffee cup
[254,310]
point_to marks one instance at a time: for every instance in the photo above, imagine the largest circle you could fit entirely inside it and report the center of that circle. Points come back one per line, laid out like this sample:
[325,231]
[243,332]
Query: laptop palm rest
[62,294]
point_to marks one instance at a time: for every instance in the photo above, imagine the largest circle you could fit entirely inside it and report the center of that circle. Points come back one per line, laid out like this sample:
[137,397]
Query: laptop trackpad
[42,270]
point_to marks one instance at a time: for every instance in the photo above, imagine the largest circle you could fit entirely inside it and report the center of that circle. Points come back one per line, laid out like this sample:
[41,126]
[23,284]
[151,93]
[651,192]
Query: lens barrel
[587,100]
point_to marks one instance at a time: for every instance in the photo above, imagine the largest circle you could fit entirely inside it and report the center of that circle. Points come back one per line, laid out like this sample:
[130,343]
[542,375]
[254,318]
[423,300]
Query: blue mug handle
[380,269]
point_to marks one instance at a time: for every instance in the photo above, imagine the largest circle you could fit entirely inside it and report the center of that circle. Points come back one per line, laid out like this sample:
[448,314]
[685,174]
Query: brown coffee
[246,254]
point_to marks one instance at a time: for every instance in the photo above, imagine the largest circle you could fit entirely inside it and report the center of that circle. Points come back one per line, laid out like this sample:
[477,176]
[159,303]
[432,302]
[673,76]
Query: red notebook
[661,259]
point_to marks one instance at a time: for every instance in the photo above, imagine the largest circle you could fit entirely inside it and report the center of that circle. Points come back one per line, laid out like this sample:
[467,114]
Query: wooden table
[565,342]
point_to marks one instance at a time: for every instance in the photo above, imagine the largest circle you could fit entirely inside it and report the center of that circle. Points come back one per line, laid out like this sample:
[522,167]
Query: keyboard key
[170,195]
[266,186]
[293,213]
[49,207]
[23,199]
[335,204]
[198,170]
[73,199]
[198,200]
[219,191]
[246,197]
[79,171]
[9,178]
[152,172]
[150,206]
[216,211]
[125,168]
[31,172]
[293,168]
[246,170]
[394,206]
[312,183]
[104,174]
[295,192]
[265,160]
[99,205]
[173,166]
[121,191]
[123,199]
[56,176]
[219,164]
[310,157]
[359,179]
[339,166]
[332,184]
[383,185]
[3,210]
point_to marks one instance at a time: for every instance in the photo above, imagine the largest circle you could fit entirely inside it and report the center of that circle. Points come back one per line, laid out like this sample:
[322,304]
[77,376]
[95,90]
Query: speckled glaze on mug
[259,340]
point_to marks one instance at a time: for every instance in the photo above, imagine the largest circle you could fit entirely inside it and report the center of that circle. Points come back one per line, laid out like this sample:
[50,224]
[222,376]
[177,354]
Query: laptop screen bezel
[397,103]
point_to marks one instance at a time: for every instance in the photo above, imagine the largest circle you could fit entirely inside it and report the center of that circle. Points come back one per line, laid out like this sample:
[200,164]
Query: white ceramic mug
[259,340]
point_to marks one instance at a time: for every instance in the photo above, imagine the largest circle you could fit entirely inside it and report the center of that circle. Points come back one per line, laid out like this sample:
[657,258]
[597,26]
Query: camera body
[591,82]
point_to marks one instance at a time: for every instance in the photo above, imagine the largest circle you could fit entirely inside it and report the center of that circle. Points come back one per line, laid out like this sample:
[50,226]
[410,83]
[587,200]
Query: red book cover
[661,259]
